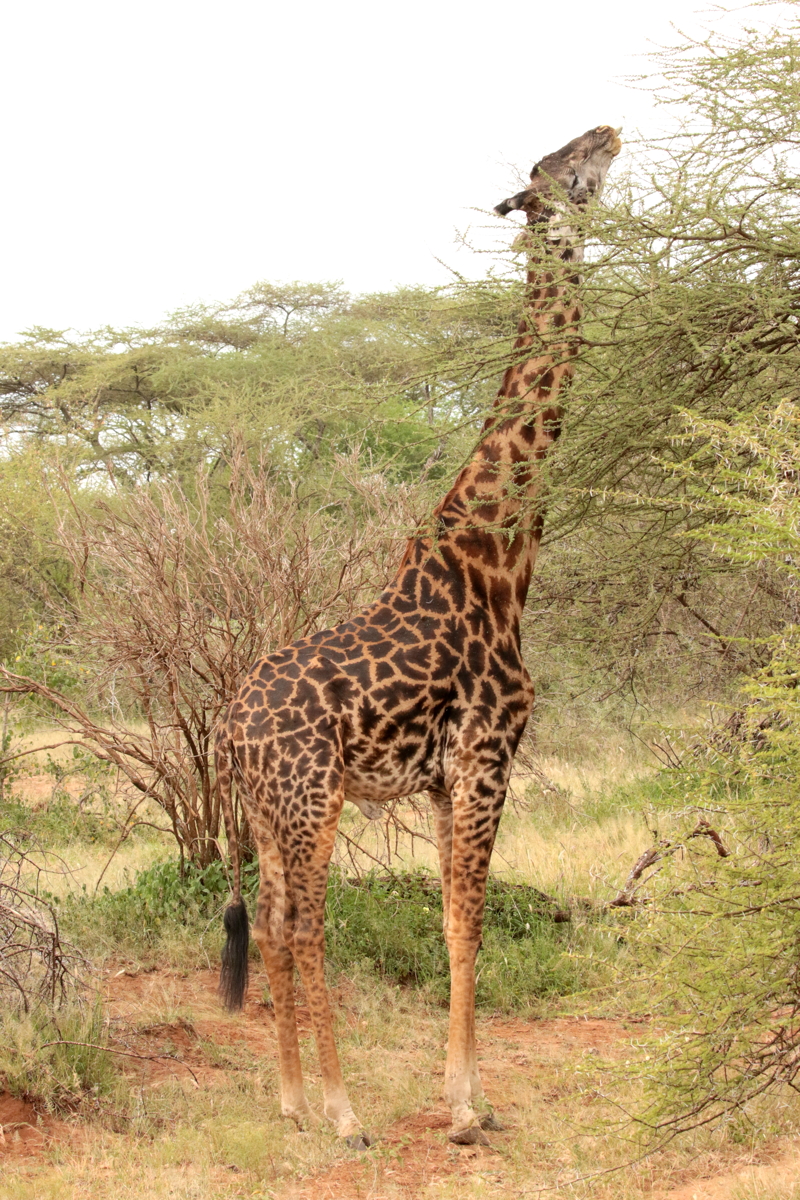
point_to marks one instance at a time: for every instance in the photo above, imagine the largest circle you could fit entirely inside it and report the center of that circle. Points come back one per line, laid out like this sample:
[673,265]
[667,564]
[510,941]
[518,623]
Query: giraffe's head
[578,170]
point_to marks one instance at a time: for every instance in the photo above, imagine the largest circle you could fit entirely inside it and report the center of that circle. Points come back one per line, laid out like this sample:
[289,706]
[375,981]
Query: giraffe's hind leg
[307,871]
[442,807]
[443,821]
[268,933]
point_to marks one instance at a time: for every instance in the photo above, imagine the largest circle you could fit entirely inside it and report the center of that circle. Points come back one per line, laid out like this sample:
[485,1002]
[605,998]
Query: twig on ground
[124,1053]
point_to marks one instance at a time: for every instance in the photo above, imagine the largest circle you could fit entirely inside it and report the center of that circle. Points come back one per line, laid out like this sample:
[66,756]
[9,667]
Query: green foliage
[691,308]
[301,369]
[395,924]
[138,919]
[9,767]
[712,944]
[396,927]
[38,1063]
[61,822]
[33,570]
[40,654]
[391,925]
[719,944]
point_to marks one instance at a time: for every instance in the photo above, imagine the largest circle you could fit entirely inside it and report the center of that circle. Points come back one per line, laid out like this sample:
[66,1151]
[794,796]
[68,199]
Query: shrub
[393,924]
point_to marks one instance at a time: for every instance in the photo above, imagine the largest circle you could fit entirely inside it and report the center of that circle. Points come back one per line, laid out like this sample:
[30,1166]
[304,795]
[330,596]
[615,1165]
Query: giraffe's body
[425,690]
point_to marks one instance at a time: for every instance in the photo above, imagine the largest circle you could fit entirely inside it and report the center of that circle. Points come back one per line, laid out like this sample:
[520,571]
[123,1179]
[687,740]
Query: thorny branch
[627,898]
[35,965]
[173,603]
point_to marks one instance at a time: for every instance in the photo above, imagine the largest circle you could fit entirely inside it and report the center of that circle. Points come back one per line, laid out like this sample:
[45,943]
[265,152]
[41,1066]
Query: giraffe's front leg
[474,825]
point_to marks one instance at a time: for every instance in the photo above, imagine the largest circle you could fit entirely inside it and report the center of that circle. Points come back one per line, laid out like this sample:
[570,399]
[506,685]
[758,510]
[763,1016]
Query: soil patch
[407,1161]
[557,1036]
[37,790]
[23,1131]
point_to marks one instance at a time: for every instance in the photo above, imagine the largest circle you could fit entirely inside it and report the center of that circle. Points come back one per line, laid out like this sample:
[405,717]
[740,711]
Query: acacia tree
[694,361]
[690,293]
[718,942]
[300,369]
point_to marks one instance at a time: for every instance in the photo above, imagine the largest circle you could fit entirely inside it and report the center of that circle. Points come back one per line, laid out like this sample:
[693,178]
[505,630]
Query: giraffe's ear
[527,200]
[513,202]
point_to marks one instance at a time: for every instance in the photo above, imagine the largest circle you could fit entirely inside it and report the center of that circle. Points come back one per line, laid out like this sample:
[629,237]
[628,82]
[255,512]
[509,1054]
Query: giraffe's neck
[489,523]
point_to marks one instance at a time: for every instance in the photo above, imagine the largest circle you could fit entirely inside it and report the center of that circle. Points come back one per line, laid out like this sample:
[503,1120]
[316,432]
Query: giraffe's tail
[233,976]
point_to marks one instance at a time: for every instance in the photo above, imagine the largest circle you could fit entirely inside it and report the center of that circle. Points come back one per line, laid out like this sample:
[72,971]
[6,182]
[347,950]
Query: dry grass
[74,862]
[547,837]
[756,1190]
[580,779]
[50,741]
[224,1137]
[81,866]
[589,859]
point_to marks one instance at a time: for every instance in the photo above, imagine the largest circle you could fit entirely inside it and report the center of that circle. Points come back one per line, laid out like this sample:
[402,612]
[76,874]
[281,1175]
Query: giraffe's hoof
[358,1141]
[489,1121]
[472,1136]
[304,1118]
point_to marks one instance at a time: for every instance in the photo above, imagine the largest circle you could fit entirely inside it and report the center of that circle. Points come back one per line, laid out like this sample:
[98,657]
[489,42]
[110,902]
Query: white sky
[164,152]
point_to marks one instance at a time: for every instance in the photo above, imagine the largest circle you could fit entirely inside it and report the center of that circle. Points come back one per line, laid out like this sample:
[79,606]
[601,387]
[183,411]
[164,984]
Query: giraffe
[424,690]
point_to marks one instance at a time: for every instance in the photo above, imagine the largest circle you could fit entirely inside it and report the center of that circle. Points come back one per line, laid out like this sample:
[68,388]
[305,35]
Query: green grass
[56,1057]
[394,925]
[60,822]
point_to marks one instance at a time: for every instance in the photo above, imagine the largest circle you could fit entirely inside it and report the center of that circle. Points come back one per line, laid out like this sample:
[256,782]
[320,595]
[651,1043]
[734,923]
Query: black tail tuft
[233,977]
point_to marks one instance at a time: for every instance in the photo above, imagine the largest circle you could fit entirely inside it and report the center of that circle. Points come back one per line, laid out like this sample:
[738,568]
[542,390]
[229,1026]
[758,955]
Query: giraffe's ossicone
[425,690]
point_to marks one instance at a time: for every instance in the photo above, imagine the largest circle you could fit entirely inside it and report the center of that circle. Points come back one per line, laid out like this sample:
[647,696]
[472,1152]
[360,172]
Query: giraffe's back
[378,705]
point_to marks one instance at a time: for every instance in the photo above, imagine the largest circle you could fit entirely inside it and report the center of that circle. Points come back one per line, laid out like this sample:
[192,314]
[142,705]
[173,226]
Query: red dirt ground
[413,1153]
